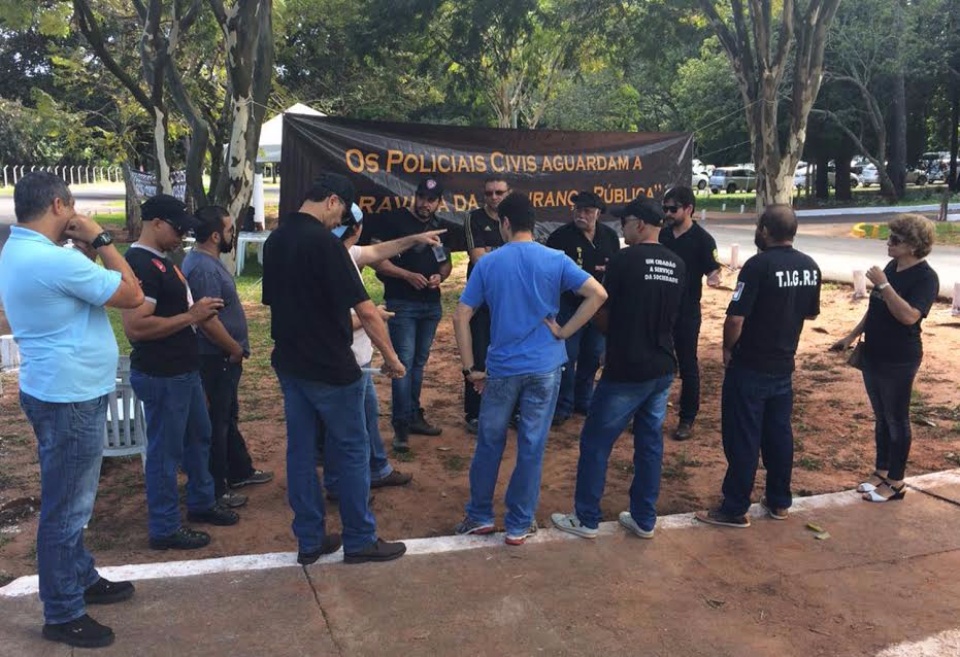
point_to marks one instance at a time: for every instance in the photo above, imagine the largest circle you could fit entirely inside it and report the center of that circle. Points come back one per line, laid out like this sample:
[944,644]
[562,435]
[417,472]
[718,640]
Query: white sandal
[867,487]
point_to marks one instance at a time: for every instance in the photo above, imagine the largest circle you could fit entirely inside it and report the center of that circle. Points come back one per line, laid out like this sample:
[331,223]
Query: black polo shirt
[311,284]
[164,285]
[588,255]
[776,291]
[645,285]
[698,250]
[420,259]
[887,339]
[483,232]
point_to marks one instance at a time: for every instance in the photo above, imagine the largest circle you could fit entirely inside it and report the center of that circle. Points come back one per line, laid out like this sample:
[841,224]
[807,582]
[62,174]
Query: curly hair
[916,230]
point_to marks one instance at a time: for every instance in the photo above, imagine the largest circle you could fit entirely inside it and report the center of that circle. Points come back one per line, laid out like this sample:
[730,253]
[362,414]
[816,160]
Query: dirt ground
[833,426]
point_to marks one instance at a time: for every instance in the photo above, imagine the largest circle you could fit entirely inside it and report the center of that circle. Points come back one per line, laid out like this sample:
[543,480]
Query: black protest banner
[385,161]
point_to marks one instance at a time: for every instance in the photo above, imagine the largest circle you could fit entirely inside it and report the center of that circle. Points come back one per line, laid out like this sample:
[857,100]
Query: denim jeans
[347,452]
[613,406]
[411,330]
[584,351]
[889,386]
[756,409]
[686,338]
[537,398]
[379,464]
[178,434]
[229,459]
[70,450]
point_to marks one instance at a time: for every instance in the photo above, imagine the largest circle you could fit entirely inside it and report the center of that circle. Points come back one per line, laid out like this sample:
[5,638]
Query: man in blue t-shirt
[54,299]
[521,283]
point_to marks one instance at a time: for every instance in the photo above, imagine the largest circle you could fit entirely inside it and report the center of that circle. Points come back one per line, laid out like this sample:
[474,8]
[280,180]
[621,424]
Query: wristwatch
[103,239]
[467,371]
[883,286]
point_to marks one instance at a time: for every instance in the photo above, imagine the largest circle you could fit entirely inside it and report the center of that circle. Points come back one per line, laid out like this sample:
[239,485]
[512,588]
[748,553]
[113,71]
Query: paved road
[839,256]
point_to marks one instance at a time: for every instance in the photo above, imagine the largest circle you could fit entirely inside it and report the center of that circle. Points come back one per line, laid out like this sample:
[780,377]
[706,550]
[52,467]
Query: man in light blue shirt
[521,283]
[53,298]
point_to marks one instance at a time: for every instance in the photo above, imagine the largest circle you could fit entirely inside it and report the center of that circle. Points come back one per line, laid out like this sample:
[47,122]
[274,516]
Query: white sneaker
[627,521]
[570,523]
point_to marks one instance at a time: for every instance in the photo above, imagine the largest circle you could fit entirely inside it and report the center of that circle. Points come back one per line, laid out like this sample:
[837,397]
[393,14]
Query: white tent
[271,133]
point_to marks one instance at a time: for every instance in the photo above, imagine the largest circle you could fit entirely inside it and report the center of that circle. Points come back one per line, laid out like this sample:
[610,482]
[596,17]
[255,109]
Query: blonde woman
[903,292]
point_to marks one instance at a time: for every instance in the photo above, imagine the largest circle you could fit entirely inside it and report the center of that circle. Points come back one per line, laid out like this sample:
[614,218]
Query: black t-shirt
[420,259]
[645,284]
[483,232]
[888,340]
[311,284]
[588,255]
[164,284]
[698,250]
[776,290]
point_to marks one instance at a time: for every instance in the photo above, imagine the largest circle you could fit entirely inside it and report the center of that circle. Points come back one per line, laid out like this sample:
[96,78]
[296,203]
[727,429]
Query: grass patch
[454,462]
[405,457]
[947,233]
[809,463]
[677,470]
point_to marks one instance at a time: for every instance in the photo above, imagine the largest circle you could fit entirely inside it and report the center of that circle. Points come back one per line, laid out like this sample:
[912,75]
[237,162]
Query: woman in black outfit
[903,293]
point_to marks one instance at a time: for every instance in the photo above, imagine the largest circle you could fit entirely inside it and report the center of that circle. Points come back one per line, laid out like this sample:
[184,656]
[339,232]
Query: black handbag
[857,356]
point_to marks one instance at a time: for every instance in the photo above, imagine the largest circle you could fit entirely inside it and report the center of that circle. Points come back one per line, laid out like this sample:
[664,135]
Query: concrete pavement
[882,585]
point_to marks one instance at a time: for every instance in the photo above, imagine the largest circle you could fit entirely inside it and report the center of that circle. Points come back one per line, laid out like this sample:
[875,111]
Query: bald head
[780,222]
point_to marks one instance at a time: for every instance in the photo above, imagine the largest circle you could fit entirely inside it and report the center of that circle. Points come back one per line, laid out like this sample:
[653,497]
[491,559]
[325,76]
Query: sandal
[876,495]
[876,479]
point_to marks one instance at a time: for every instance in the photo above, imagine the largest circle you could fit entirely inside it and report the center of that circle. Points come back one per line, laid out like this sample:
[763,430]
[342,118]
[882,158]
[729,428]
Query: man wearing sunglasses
[698,250]
[483,236]
[165,374]
[590,244]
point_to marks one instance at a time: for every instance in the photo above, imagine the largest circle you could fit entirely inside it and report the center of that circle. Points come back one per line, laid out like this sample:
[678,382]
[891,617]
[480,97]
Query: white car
[870,176]
[699,180]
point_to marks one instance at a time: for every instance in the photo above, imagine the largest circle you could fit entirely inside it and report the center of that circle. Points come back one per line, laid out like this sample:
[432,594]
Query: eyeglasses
[895,240]
[495,192]
[180,230]
[670,209]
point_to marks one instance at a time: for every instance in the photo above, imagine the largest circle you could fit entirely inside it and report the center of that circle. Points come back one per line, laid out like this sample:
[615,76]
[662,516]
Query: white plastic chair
[126,429]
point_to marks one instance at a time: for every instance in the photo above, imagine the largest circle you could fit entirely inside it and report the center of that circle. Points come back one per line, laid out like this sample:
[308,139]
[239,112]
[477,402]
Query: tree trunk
[954,179]
[898,111]
[823,178]
[133,222]
[841,182]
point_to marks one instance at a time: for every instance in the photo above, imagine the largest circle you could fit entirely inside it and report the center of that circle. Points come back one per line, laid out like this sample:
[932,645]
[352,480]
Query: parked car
[800,176]
[733,179]
[699,180]
[870,176]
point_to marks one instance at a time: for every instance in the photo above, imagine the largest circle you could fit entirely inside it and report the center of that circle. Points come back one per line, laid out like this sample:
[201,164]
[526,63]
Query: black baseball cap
[588,200]
[332,183]
[430,188]
[645,209]
[171,209]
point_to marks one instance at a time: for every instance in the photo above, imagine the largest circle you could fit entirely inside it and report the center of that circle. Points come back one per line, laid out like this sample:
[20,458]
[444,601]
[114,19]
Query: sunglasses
[895,240]
[180,230]
[494,192]
[670,209]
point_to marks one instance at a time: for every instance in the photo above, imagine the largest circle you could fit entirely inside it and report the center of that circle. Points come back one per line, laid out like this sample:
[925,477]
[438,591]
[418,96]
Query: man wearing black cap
[698,249]
[311,284]
[591,245]
[645,285]
[777,290]
[482,230]
[411,290]
[165,374]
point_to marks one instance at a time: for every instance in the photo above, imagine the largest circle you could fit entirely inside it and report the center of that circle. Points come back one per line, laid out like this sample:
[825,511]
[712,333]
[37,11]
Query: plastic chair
[126,429]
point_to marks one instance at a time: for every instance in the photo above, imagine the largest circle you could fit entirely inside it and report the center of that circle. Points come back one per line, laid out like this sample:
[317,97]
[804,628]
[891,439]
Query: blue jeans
[379,464]
[70,450]
[537,398]
[347,452]
[411,331]
[756,409]
[614,404]
[178,435]
[584,351]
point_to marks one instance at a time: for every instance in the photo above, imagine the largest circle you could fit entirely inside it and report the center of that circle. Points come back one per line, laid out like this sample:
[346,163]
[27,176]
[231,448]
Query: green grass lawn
[862,197]
[947,233]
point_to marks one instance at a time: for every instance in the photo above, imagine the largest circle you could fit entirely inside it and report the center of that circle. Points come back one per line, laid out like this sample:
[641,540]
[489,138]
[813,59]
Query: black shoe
[182,539]
[684,430]
[331,543]
[420,427]
[217,515]
[105,592]
[395,478]
[379,551]
[83,632]
[258,477]
[401,437]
